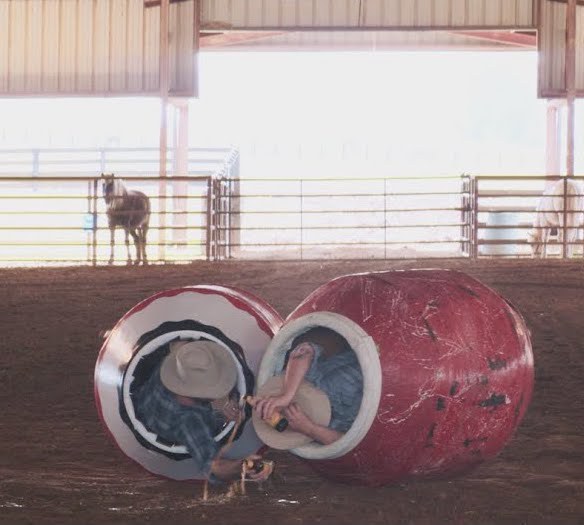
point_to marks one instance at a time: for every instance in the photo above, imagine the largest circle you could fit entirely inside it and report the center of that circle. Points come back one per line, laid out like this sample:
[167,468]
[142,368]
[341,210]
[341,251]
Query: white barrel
[233,318]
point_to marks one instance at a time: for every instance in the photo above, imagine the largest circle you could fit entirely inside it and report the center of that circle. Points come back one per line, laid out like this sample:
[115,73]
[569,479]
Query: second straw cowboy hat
[202,369]
[313,402]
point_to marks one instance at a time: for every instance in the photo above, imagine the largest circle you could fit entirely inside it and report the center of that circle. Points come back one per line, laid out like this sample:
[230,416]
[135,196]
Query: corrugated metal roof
[93,47]
[353,14]
[552,48]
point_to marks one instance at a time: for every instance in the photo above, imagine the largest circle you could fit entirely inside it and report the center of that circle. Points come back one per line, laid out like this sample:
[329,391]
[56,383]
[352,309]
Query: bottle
[256,465]
[277,421]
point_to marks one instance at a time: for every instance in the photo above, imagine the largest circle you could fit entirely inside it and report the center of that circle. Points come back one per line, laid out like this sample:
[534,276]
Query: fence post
[466,216]
[475,217]
[88,235]
[234,204]
[209,217]
[94,258]
[216,246]
[301,221]
[223,218]
[385,218]
[228,232]
[564,227]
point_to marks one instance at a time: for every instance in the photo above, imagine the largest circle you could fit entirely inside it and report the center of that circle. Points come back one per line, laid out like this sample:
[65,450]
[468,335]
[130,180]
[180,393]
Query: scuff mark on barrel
[429,330]
[517,408]
[469,291]
[497,364]
[467,442]
[494,401]
[430,436]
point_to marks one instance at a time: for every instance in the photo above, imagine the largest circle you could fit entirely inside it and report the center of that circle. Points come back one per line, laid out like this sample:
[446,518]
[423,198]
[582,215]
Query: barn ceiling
[112,47]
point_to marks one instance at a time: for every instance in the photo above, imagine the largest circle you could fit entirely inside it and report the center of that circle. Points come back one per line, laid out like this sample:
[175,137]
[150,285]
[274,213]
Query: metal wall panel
[352,14]
[93,47]
[552,50]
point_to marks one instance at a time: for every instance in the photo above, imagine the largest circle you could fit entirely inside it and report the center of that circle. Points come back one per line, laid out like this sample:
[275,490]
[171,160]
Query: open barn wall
[359,14]
[552,47]
[99,47]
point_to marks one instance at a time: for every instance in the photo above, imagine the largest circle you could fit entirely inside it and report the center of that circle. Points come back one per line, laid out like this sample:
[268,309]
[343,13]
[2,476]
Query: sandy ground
[58,465]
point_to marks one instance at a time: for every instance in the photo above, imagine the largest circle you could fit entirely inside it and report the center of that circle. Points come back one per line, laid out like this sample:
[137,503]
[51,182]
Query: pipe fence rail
[345,218]
[211,213]
[52,210]
[63,220]
[506,211]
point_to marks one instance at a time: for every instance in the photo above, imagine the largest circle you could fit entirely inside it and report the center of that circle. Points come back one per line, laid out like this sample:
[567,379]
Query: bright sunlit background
[376,116]
[328,114]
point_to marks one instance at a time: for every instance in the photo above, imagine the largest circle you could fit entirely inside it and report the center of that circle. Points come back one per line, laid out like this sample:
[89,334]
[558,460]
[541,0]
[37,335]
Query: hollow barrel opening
[368,356]
[146,361]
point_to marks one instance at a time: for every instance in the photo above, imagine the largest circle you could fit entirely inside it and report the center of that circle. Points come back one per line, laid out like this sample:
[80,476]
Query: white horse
[550,216]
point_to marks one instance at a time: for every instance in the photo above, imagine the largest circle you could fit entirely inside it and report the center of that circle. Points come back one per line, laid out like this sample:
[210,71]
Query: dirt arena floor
[58,465]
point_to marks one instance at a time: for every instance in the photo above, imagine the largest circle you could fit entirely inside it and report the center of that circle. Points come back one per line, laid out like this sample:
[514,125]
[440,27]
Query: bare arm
[300,422]
[298,364]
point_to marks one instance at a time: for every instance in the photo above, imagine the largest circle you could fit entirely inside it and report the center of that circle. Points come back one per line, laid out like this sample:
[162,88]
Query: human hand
[264,473]
[298,420]
[229,407]
[266,407]
[231,410]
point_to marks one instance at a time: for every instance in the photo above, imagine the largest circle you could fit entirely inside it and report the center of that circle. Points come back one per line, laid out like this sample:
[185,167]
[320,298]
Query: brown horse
[130,210]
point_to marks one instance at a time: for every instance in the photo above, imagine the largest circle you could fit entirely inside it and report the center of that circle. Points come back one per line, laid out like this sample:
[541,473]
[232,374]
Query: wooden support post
[180,188]
[570,78]
[553,139]
[570,98]
[570,83]
[164,88]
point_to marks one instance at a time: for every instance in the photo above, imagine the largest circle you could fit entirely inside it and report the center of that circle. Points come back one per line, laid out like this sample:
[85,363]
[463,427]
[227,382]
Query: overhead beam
[156,3]
[570,83]
[579,2]
[522,39]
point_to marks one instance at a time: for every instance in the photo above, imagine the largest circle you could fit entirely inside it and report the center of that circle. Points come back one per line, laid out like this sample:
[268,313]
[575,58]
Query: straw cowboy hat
[313,402]
[200,369]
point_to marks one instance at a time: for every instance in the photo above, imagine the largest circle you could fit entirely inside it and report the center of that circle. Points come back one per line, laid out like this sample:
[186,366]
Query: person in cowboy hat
[319,392]
[187,400]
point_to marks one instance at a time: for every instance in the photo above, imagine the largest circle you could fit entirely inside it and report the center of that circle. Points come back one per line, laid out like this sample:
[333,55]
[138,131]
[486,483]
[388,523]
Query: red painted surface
[457,372]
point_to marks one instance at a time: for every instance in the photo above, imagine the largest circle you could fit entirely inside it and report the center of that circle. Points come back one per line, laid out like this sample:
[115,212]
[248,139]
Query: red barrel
[447,365]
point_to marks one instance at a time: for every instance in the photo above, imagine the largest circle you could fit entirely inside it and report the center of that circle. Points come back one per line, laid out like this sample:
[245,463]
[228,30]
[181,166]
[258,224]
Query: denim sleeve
[342,381]
[196,435]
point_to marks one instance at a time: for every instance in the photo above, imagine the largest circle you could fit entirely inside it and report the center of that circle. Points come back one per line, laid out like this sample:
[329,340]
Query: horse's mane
[120,188]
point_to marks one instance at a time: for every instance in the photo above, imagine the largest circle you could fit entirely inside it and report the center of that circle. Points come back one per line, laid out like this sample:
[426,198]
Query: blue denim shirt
[191,426]
[339,377]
